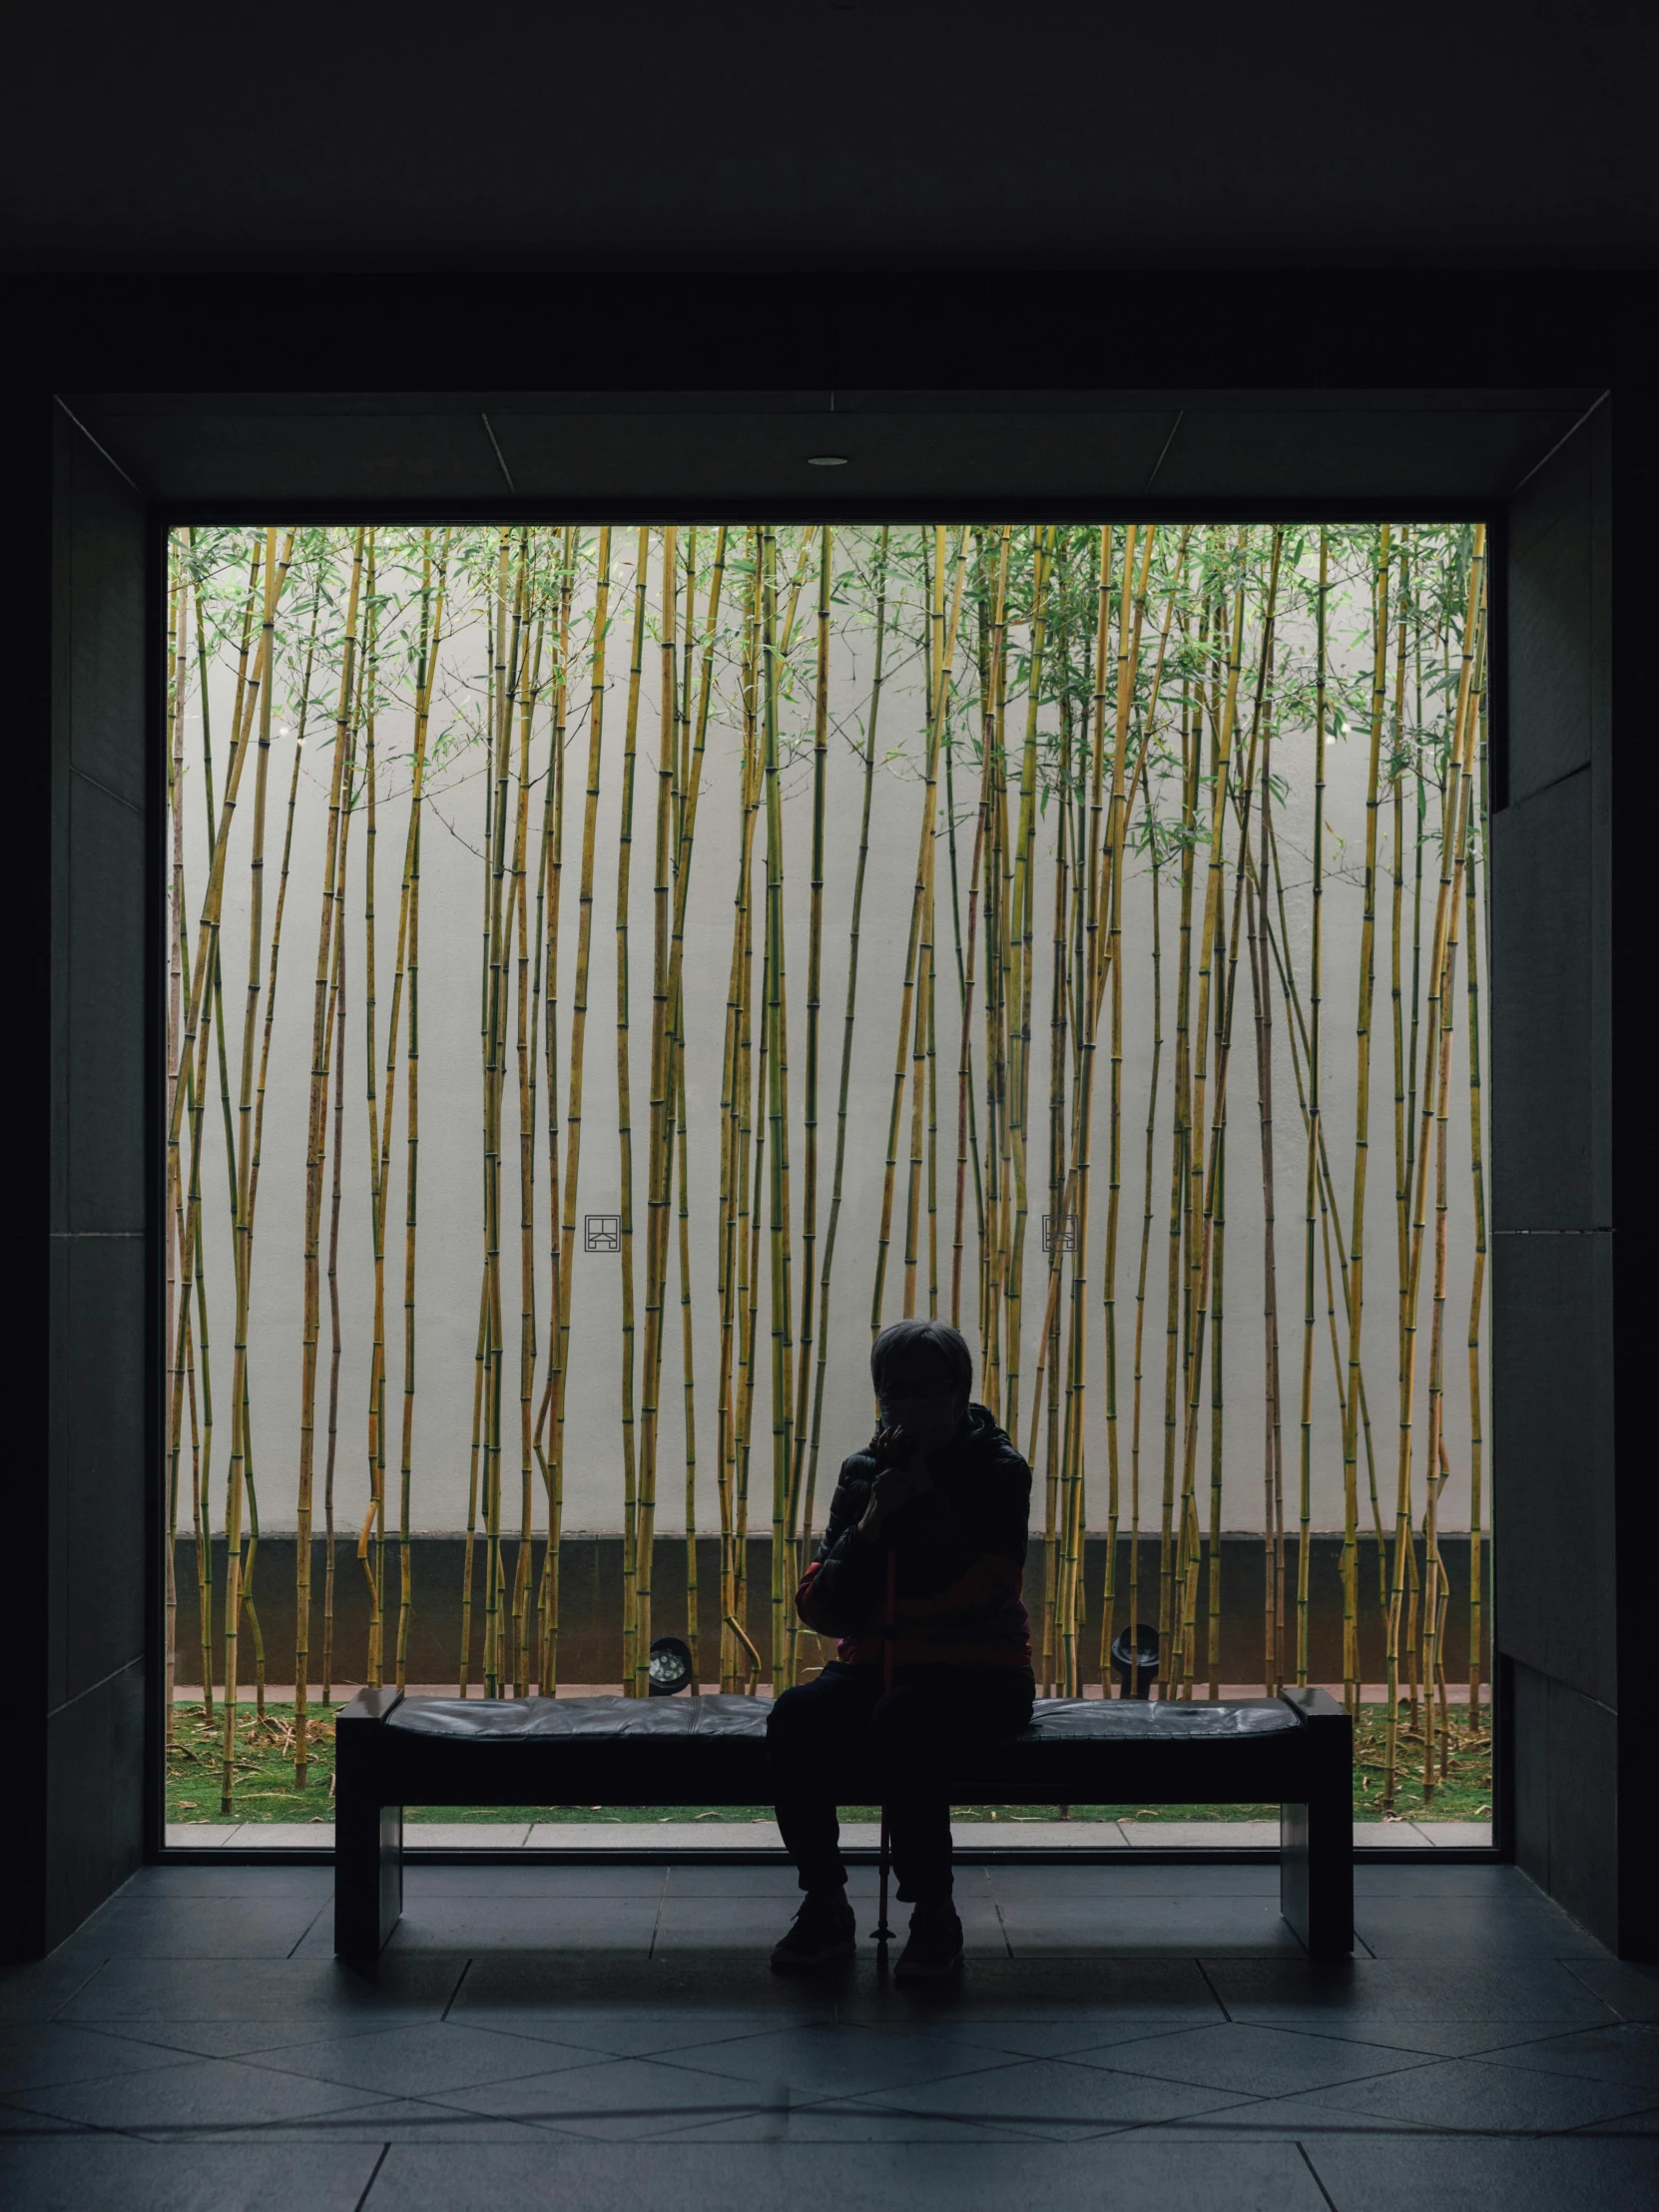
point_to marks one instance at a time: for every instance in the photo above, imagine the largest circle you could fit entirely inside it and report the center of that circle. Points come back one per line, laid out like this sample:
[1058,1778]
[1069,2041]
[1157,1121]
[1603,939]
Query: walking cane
[881,1932]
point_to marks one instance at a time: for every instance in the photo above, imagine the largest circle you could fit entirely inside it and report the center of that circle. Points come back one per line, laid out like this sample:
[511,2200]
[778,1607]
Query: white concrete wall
[450,1243]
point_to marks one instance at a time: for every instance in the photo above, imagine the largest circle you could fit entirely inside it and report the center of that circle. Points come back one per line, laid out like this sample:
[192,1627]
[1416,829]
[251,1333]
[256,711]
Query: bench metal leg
[1315,1874]
[368,1877]
[1316,1838]
[368,1835]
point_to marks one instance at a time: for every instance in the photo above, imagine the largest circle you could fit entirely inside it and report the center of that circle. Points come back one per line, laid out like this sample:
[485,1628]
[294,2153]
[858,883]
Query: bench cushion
[608,1719]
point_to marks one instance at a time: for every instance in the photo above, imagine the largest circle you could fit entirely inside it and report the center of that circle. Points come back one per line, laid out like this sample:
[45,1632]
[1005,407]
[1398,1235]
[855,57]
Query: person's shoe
[935,1946]
[826,1929]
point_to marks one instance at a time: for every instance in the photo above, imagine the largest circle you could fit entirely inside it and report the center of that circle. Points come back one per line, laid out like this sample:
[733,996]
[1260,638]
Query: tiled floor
[609,2039]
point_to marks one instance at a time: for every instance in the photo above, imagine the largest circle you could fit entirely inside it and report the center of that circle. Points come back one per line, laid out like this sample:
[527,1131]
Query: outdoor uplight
[670,1666]
[1135,1659]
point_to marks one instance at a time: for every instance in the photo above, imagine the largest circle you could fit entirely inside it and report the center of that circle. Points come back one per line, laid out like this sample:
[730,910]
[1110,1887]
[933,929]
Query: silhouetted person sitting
[943,1490]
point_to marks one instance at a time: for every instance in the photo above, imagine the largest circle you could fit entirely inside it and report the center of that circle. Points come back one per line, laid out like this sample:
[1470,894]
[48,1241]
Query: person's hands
[896,1485]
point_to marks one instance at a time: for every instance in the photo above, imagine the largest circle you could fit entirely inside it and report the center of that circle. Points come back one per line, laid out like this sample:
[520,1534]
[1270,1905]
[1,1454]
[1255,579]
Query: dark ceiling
[828,131]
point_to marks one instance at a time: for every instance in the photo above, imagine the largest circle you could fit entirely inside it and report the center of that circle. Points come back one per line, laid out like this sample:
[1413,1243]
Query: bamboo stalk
[1437,1057]
[235,1478]
[814,971]
[843,1091]
[1478,1284]
[625,1121]
[659,1178]
[1306,1513]
[1362,1130]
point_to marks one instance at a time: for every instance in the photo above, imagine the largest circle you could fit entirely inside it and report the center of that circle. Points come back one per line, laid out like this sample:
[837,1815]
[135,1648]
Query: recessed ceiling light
[827,461]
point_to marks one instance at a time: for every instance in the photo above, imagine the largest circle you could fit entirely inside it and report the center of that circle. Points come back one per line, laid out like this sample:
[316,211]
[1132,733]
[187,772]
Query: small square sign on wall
[1059,1231]
[602,1232]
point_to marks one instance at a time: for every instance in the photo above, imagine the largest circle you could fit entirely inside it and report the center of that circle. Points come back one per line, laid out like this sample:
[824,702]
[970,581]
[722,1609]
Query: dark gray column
[1556,1511]
[80,1813]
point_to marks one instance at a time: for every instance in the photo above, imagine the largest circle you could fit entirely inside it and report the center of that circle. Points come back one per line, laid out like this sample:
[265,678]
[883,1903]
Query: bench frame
[1307,1772]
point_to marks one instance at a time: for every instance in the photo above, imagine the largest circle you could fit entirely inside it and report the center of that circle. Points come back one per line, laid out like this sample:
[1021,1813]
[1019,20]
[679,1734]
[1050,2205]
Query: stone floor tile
[246,2039]
[623,2031]
[962,2175]
[1049,2098]
[778,1882]
[1484,1927]
[185,2098]
[843,2122]
[195,1928]
[43,2054]
[384,2120]
[1644,2125]
[422,1883]
[614,2099]
[1423,1875]
[474,1924]
[302,1990]
[1281,1993]
[1437,2174]
[1253,2061]
[1626,2053]
[201,1836]
[1631,1990]
[1389,1836]
[621,1983]
[418,2061]
[1456,1834]
[1177,1927]
[1089,2031]
[100,2174]
[1277,2120]
[17,2122]
[1126,1878]
[1475,2095]
[710,1923]
[808,2064]
[264,1882]
[1052,1989]
[1435,2038]
[40,1989]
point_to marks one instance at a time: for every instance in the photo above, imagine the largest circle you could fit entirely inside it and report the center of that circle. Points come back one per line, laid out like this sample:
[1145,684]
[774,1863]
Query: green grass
[264,1784]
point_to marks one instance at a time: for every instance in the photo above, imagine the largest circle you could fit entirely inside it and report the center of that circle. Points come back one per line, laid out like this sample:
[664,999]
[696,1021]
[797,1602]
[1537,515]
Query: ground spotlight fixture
[827,461]
[670,1666]
[1135,1659]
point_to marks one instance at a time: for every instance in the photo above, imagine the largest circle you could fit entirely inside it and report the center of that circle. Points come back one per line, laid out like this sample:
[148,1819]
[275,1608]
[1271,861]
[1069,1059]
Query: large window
[612,969]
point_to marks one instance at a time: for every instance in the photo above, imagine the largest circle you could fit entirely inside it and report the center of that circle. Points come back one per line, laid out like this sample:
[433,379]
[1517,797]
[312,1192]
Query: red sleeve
[808,1604]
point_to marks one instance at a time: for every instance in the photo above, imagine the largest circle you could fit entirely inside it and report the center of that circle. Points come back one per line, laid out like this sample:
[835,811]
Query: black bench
[1293,1751]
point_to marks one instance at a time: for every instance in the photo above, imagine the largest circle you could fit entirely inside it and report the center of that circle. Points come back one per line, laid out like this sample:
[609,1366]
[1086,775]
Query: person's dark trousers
[909,1738]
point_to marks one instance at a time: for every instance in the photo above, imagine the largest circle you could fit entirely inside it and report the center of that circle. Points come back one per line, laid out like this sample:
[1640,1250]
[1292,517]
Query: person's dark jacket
[959,1552]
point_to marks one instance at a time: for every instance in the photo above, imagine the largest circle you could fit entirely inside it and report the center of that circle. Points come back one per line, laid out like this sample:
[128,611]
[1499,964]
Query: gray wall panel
[1553,1522]
[1566,1787]
[101,1485]
[1583,1794]
[1550,606]
[1546,1141]
[87,1687]
[107,612]
[94,1798]
[102,1131]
